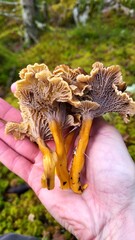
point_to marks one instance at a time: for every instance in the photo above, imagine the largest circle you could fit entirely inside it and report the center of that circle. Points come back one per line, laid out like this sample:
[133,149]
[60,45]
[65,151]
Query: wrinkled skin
[105,209]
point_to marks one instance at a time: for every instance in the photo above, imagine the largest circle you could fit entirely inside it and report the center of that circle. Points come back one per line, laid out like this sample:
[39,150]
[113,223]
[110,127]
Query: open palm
[109,172]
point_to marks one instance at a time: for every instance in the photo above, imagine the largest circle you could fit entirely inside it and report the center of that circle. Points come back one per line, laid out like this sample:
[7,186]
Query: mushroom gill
[105,94]
[63,100]
[107,89]
[42,100]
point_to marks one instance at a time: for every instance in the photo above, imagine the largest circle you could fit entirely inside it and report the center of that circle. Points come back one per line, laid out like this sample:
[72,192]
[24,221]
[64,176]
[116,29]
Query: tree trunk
[28,15]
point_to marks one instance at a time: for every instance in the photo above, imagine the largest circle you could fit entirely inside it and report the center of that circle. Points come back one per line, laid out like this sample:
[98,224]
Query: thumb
[13,87]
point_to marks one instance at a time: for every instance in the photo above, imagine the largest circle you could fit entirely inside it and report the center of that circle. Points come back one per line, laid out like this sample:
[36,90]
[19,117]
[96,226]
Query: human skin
[106,209]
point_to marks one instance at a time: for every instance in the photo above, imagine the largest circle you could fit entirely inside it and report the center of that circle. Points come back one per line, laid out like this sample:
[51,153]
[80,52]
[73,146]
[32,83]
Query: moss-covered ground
[110,39]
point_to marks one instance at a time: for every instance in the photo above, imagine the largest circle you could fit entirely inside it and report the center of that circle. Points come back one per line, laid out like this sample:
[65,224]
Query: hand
[104,210]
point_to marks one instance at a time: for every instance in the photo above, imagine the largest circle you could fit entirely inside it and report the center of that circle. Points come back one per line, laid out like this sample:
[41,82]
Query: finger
[9,113]
[13,87]
[24,147]
[107,152]
[14,162]
[29,172]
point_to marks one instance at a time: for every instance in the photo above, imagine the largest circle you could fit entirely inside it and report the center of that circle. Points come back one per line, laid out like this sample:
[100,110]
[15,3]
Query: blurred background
[73,32]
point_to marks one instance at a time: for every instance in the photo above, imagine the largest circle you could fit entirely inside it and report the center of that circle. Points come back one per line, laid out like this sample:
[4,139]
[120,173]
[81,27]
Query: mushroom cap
[34,69]
[106,88]
[18,130]
[87,109]
[68,96]
[39,84]
[68,74]
[76,78]
[42,97]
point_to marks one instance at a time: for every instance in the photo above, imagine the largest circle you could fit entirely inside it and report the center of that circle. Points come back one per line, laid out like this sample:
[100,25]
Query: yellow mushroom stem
[49,163]
[79,158]
[61,164]
[69,140]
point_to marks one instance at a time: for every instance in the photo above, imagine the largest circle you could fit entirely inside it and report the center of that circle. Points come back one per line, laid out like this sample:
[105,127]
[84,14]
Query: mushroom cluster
[53,103]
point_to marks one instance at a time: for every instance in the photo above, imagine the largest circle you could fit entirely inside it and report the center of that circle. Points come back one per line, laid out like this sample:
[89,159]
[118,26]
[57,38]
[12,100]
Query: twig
[8,3]
[9,15]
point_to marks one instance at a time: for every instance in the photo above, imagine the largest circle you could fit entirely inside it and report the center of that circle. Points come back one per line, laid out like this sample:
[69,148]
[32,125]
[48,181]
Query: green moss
[8,62]
[15,217]
[110,40]
[131,150]
[61,12]
[3,185]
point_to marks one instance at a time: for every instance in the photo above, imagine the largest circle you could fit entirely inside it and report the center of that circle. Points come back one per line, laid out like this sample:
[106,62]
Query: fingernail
[13,87]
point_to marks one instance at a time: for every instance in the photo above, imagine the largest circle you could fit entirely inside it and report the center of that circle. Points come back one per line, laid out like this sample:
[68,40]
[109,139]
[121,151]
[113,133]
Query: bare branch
[8,3]
[10,15]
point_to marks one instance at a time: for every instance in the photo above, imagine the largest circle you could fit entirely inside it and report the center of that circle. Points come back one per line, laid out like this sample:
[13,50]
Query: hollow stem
[61,164]
[69,140]
[79,158]
[49,163]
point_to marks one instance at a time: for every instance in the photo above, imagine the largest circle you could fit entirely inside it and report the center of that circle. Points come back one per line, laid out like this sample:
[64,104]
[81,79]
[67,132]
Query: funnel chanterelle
[52,102]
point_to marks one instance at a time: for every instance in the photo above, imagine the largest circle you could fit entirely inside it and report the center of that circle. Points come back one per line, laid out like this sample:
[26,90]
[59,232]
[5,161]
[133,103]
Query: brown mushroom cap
[42,97]
[106,87]
[33,69]
[88,109]
[18,130]
[67,95]
[76,78]
[68,74]
[34,125]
